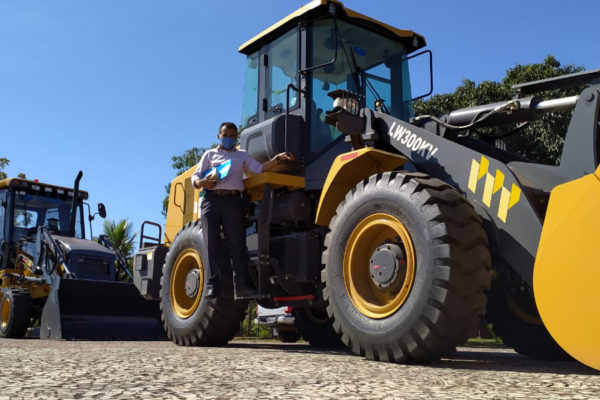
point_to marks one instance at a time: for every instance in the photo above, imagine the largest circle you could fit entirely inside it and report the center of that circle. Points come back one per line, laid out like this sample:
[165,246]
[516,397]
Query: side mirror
[101,210]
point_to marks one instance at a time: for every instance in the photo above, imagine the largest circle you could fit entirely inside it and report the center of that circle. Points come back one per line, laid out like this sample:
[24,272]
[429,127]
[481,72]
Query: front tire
[16,311]
[189,317]
[406,268]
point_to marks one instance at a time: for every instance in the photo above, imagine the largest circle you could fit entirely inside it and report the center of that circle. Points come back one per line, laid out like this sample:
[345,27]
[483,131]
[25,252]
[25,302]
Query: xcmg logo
[493,184]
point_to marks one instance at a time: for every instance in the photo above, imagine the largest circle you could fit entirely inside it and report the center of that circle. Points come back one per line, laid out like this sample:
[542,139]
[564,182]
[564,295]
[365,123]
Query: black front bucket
[99,310]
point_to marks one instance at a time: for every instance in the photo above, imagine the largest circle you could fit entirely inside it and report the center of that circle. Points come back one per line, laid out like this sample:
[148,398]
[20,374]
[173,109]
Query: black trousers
[226,211]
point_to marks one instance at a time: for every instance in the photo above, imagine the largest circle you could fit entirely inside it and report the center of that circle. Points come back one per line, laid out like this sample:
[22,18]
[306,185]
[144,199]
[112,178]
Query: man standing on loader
[220,173]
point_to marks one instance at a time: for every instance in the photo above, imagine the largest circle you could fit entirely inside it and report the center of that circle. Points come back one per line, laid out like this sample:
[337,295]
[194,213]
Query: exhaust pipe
[74,207]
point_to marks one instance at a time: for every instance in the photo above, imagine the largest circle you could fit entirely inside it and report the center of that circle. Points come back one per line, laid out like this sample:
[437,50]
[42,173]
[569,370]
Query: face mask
[227,142]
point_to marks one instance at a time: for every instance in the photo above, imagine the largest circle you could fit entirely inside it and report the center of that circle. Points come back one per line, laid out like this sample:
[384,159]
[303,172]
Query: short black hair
[228,125]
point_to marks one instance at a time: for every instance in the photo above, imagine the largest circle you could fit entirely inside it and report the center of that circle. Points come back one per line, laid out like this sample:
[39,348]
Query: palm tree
[121,236]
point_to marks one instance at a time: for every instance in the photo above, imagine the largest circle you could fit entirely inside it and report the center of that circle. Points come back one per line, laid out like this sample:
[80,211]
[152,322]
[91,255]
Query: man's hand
[274,162]
[208,184]
[284,157]
[204,183]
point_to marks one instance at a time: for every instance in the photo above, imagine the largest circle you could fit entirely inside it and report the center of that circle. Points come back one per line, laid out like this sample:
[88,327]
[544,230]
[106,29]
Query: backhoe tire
[515,319]
[189,317]
[16,311]
[406,268]
[316,327]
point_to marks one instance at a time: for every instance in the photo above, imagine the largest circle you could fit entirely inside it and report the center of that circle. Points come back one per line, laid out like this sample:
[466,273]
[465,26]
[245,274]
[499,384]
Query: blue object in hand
[222,170]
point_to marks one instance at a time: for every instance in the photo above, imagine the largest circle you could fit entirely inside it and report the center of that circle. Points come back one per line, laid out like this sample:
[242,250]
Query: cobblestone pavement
[258,370]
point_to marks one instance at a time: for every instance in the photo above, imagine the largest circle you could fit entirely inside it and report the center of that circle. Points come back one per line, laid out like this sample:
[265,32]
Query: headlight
[349,104]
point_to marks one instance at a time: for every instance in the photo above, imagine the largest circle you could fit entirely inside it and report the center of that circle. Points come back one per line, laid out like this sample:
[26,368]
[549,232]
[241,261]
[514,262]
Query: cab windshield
[367,63]
[33,210]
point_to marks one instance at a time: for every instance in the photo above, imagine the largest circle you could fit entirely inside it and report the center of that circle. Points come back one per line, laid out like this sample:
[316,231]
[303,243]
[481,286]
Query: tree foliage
[121,235]
[3,163]
[182,163]
[540,141]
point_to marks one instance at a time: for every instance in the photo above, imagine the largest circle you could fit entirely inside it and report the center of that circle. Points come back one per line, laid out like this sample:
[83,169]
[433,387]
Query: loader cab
[25,205]
[292,66]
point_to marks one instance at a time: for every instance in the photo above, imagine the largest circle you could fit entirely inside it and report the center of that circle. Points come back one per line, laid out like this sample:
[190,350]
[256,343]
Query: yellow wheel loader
[54,280]
[400,232]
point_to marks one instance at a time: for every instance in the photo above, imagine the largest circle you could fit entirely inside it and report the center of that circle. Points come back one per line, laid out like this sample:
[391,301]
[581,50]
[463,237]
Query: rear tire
[514,317]
[189,317]
[433,297]
[316,327]
[16,311]
[288,336]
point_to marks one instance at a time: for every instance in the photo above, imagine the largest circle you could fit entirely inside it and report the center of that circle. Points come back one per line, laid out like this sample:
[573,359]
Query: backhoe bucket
[567,268]
[99,310]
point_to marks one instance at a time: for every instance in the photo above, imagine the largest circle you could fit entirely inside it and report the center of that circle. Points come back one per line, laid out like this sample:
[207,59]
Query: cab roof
[320,8]
[25,184]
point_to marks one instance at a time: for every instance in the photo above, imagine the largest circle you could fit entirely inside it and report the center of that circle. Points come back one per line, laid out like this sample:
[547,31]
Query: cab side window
[282,70]
[250,102]
[2,214]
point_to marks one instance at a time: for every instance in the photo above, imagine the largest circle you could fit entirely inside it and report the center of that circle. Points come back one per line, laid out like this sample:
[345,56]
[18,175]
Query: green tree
[3,163]
[182,163]
[540,141]
[121,235]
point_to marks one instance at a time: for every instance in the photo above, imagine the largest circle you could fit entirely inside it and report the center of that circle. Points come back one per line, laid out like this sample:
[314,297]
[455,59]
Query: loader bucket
[566,276]
[99,310]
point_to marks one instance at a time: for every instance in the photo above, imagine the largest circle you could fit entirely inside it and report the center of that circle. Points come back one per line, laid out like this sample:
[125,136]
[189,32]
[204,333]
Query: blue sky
[115,88]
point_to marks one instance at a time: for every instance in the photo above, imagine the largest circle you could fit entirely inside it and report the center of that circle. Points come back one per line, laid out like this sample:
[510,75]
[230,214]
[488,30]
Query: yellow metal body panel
[346,171]
[183,206]
[401,33]
[567,268]
[24,267]
[255,184]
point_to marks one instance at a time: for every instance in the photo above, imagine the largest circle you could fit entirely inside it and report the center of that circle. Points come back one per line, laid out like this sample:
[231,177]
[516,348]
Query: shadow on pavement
[291,347]
[477,360]
[490,360]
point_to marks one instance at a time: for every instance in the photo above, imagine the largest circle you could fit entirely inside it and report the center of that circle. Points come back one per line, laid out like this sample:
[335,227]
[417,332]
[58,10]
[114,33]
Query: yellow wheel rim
[372,232]
[184,303]
[5,312]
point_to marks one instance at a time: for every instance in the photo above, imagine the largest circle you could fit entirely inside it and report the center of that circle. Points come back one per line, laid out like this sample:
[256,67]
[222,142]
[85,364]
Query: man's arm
[273,162]
[256,168]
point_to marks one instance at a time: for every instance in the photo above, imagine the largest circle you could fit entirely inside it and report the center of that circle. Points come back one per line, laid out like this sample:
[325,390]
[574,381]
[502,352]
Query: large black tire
[445,295]
[515,319]
[196,320]
[15,308]
[316,327]
[288,336]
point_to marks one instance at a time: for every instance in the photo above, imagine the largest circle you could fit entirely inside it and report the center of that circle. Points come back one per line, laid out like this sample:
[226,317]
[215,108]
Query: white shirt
[240,162]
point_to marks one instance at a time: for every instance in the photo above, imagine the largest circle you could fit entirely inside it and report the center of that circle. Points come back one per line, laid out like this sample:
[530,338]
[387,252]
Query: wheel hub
[192,283]
[387,263]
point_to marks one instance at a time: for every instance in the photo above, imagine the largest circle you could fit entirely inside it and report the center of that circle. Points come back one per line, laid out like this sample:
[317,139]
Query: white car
[280,320]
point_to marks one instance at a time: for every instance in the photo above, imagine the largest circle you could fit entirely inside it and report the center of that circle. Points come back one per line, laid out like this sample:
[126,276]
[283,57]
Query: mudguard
[567,268]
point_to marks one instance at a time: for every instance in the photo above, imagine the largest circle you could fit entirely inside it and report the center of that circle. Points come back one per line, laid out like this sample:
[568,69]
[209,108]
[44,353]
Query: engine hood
[75,245]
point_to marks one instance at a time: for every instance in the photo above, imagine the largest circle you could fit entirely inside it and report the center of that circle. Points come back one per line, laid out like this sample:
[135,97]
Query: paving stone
[259,370]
